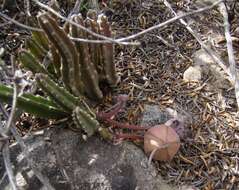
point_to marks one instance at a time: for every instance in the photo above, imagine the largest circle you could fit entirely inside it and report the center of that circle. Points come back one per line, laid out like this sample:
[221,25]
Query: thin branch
[103,41]
[208,50]
[11,126]
[76,8]
[44,180]
[19,24]
[232,72]
[231,57]
[5,132]
[120,40]
[3,177]
[169,22]
[14,101]
[72,22]
[107,39]
[27,7]
[8,166]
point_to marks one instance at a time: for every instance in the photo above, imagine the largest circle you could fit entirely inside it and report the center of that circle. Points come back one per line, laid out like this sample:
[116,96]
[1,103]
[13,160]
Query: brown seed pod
[162,141]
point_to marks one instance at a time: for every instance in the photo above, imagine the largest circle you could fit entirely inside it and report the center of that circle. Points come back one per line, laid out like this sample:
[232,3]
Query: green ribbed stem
[58,94]
[35,105]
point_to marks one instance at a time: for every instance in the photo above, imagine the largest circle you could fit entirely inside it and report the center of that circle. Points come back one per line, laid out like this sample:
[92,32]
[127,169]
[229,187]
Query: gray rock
[72,163]
[192,74]
[153,115]
[209,67]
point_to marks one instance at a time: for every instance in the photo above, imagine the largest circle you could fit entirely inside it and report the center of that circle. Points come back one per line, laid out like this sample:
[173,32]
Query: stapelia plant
[68,72]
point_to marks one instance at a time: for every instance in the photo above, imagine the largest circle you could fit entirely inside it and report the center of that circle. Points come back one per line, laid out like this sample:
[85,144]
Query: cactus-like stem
[35,49]
[89,73]
[70,68]
[95,49]
[41,39]
[36,105]
[108,52]
[56,60]
[85,121]
[58,94]
[29,61]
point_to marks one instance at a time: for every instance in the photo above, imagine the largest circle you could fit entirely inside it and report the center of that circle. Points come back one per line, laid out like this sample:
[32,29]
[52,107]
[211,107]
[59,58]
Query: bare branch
[72,22]
[120,40]
[103,41]
[3,177]
[210,52]
[8,166]
[231,57]
[232,72]
[169,22]
[44,180]
[14,101]
[11,126]
[76,8]
[107,39]
[19,24]
[27,7]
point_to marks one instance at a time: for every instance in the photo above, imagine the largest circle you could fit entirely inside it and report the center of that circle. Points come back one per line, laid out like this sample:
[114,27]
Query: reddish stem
[121,101]
[106,116]
[126,126]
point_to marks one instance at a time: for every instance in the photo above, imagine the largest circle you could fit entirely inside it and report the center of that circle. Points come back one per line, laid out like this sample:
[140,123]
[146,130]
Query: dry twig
[231,57]
[232,72]
[10,127]
[131,37]
[8,166]
[19,24]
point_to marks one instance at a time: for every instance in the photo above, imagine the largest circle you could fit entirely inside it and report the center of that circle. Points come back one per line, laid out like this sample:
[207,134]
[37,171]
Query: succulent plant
[65,70]
[37,105]
[81,67]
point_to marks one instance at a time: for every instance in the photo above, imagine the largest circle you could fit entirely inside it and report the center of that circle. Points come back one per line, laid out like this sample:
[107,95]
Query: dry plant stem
[20,24]
[8,165]
[12,113]
[169,22]
[27,7]
[120,40]
[209,51]
[155,150]
[71,22]
[26,152]
[44,180]
[231,57]
[76,8]
[14,102]
[3,177]
[151,156]
[106,39]
[5,149]
[103,41]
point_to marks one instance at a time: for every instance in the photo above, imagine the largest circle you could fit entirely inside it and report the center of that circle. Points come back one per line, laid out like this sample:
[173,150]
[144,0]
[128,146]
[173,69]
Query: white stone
[193,73]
